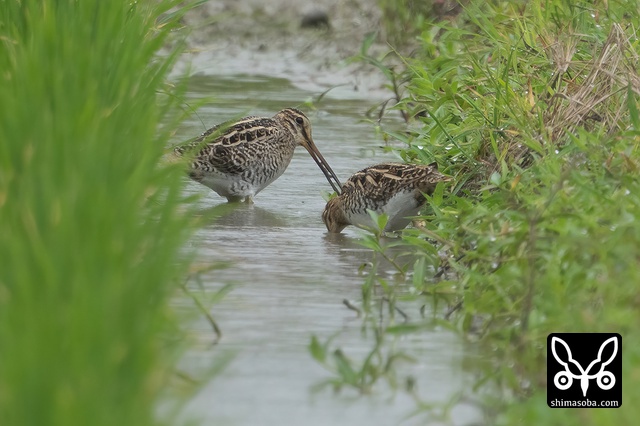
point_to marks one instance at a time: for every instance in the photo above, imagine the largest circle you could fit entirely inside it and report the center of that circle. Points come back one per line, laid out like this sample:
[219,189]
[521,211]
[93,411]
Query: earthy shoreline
[228,37]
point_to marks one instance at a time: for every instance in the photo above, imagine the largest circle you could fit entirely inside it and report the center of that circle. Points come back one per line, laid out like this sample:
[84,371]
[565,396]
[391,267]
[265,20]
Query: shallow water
[290,279]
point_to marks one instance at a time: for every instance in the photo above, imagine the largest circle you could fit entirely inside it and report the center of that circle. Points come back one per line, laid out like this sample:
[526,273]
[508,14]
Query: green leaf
[371,242]
[344,367]
[419,272]
[379,219]
[438,195]
[318,352]
[367,42]
[496,178]
[407,328]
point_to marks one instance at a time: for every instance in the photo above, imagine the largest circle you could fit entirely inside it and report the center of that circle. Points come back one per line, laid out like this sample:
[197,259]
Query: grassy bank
[90,232]
[533,107]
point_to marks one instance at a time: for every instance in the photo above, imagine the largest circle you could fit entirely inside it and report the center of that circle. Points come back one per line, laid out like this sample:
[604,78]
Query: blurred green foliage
[90,228]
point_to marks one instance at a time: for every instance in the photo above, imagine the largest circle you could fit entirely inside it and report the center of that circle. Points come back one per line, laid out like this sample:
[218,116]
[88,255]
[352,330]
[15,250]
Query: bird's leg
[234,199]
[248,199]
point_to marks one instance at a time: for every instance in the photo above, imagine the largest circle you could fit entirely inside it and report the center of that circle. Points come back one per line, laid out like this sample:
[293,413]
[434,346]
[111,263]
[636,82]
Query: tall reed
[90,233]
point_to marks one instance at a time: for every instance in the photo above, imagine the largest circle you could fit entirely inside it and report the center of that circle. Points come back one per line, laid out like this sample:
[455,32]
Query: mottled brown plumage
[238,160]
[390,188]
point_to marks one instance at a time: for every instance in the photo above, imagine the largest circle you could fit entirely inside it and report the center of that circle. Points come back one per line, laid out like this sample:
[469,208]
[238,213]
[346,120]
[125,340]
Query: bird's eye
[299,120]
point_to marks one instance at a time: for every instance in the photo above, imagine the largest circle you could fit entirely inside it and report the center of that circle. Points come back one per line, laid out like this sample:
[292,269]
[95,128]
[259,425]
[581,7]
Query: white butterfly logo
[564,379]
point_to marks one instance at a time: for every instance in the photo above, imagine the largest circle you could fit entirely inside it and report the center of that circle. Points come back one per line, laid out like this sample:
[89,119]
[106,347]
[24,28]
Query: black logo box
[586,370]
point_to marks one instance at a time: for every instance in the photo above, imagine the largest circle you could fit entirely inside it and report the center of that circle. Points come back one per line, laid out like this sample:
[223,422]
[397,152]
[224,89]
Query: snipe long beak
[322,163]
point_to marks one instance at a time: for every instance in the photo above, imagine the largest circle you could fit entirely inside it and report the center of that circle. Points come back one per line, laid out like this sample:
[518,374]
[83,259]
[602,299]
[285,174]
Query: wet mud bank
[308,43]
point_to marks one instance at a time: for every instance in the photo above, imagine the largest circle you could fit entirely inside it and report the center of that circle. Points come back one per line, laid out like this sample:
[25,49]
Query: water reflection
[241,215]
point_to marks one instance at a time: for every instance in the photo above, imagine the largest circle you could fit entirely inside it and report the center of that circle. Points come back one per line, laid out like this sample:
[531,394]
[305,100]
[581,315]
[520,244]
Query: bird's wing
[225,147]
[388,178]
[204,139]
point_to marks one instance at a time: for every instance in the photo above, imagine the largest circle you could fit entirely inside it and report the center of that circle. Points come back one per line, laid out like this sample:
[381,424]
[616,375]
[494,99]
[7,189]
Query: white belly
[398,209]
[246,184]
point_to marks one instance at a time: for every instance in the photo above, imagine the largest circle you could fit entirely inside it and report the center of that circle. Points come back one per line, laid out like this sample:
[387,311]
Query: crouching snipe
[392,189]
[238,160]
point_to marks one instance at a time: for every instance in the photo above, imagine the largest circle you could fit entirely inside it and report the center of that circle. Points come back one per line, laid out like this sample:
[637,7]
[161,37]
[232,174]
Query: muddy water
[290,279]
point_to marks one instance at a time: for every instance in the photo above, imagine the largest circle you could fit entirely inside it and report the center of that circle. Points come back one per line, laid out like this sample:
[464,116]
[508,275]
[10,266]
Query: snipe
[390,188]
[238,160]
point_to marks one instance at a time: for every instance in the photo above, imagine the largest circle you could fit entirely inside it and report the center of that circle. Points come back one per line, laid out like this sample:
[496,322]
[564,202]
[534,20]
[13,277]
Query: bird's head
[333,216]
[300,127]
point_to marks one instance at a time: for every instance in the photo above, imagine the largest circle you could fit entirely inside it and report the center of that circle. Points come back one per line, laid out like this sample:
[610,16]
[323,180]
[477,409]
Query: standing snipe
[238,160]
[390,188]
